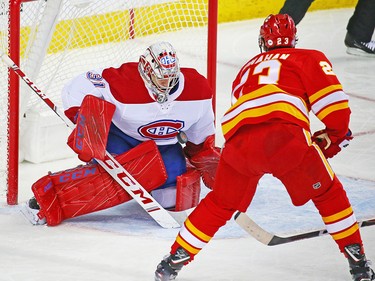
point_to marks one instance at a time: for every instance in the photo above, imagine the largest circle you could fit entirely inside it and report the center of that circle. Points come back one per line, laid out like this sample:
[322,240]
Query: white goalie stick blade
[181,216]
[270,239]
[110,164]
[247,224]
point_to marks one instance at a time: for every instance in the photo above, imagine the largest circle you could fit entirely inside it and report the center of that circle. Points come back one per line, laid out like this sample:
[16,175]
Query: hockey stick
[270,239]
[110,164]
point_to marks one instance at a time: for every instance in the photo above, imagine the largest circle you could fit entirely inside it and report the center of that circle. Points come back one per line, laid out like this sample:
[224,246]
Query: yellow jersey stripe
[263,91]
[196,231]
[187,246]
[324,159]
[263,111]
[346,233]
[343,105]
[338,216]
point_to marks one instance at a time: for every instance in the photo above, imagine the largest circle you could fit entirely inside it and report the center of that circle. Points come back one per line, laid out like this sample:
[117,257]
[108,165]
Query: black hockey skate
[359,265]
[355,47]
[169,267]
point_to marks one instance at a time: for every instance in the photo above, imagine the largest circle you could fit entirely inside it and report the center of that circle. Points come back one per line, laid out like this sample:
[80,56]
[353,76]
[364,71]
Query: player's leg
[200,227]
[296,9]
[183,183]
[118,142]
[362,23]
[314,179]
[360,29]
[232,191]
[338,216]
[175,164]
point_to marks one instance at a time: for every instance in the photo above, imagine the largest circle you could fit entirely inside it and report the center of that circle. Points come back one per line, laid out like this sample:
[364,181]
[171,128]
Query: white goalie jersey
[138,115]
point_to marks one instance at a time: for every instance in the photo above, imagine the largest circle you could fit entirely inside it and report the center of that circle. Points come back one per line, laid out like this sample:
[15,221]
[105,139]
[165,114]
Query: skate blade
[31,216]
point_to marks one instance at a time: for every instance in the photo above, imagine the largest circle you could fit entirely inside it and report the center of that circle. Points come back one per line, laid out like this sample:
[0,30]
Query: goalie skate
[30,211]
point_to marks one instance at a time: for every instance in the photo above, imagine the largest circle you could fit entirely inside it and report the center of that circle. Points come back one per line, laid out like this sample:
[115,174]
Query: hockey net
[54,40]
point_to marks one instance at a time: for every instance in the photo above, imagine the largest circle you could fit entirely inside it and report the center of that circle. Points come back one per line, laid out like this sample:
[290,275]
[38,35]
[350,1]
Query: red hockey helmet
[277,31]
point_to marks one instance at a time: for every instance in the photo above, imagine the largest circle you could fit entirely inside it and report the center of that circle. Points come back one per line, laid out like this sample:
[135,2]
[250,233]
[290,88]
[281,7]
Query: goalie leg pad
[188,190]
[86,189]
[75,192]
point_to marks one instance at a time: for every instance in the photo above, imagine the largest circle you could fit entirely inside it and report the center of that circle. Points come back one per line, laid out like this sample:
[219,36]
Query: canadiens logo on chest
[161,129]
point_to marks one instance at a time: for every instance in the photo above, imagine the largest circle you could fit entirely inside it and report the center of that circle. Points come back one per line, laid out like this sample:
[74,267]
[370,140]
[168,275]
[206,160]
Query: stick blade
[270,239]
[253,229]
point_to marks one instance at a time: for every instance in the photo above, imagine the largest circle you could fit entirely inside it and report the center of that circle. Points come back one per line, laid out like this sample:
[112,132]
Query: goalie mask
[277,31]
[159,69]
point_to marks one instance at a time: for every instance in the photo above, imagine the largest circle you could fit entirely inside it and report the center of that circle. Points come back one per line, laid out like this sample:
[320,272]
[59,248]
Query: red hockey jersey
[288,83]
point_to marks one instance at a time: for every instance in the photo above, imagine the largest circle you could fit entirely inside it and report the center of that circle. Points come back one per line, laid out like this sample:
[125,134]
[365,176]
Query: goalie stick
[270,239]
[164,218]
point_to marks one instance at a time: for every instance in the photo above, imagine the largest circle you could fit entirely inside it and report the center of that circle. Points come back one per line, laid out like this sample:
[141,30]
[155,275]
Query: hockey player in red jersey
[137,112]
[267,130]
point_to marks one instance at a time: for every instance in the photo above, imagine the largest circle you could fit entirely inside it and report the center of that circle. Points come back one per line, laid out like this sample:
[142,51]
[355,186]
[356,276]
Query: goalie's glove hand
[205,158]
[329,148]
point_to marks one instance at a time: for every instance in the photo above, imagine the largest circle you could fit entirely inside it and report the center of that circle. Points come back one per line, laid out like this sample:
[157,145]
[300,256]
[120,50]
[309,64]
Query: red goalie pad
[86,189]
[188,189]
[89,137]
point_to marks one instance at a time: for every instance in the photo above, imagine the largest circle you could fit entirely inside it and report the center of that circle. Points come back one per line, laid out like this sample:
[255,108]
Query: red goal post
[53,41]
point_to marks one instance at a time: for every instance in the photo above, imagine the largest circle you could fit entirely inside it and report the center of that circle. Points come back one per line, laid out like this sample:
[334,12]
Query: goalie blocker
[88,188]
[93,119]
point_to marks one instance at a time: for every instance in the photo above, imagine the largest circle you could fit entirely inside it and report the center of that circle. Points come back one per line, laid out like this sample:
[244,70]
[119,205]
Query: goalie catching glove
[89,137]
[205,158]
[328,147]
